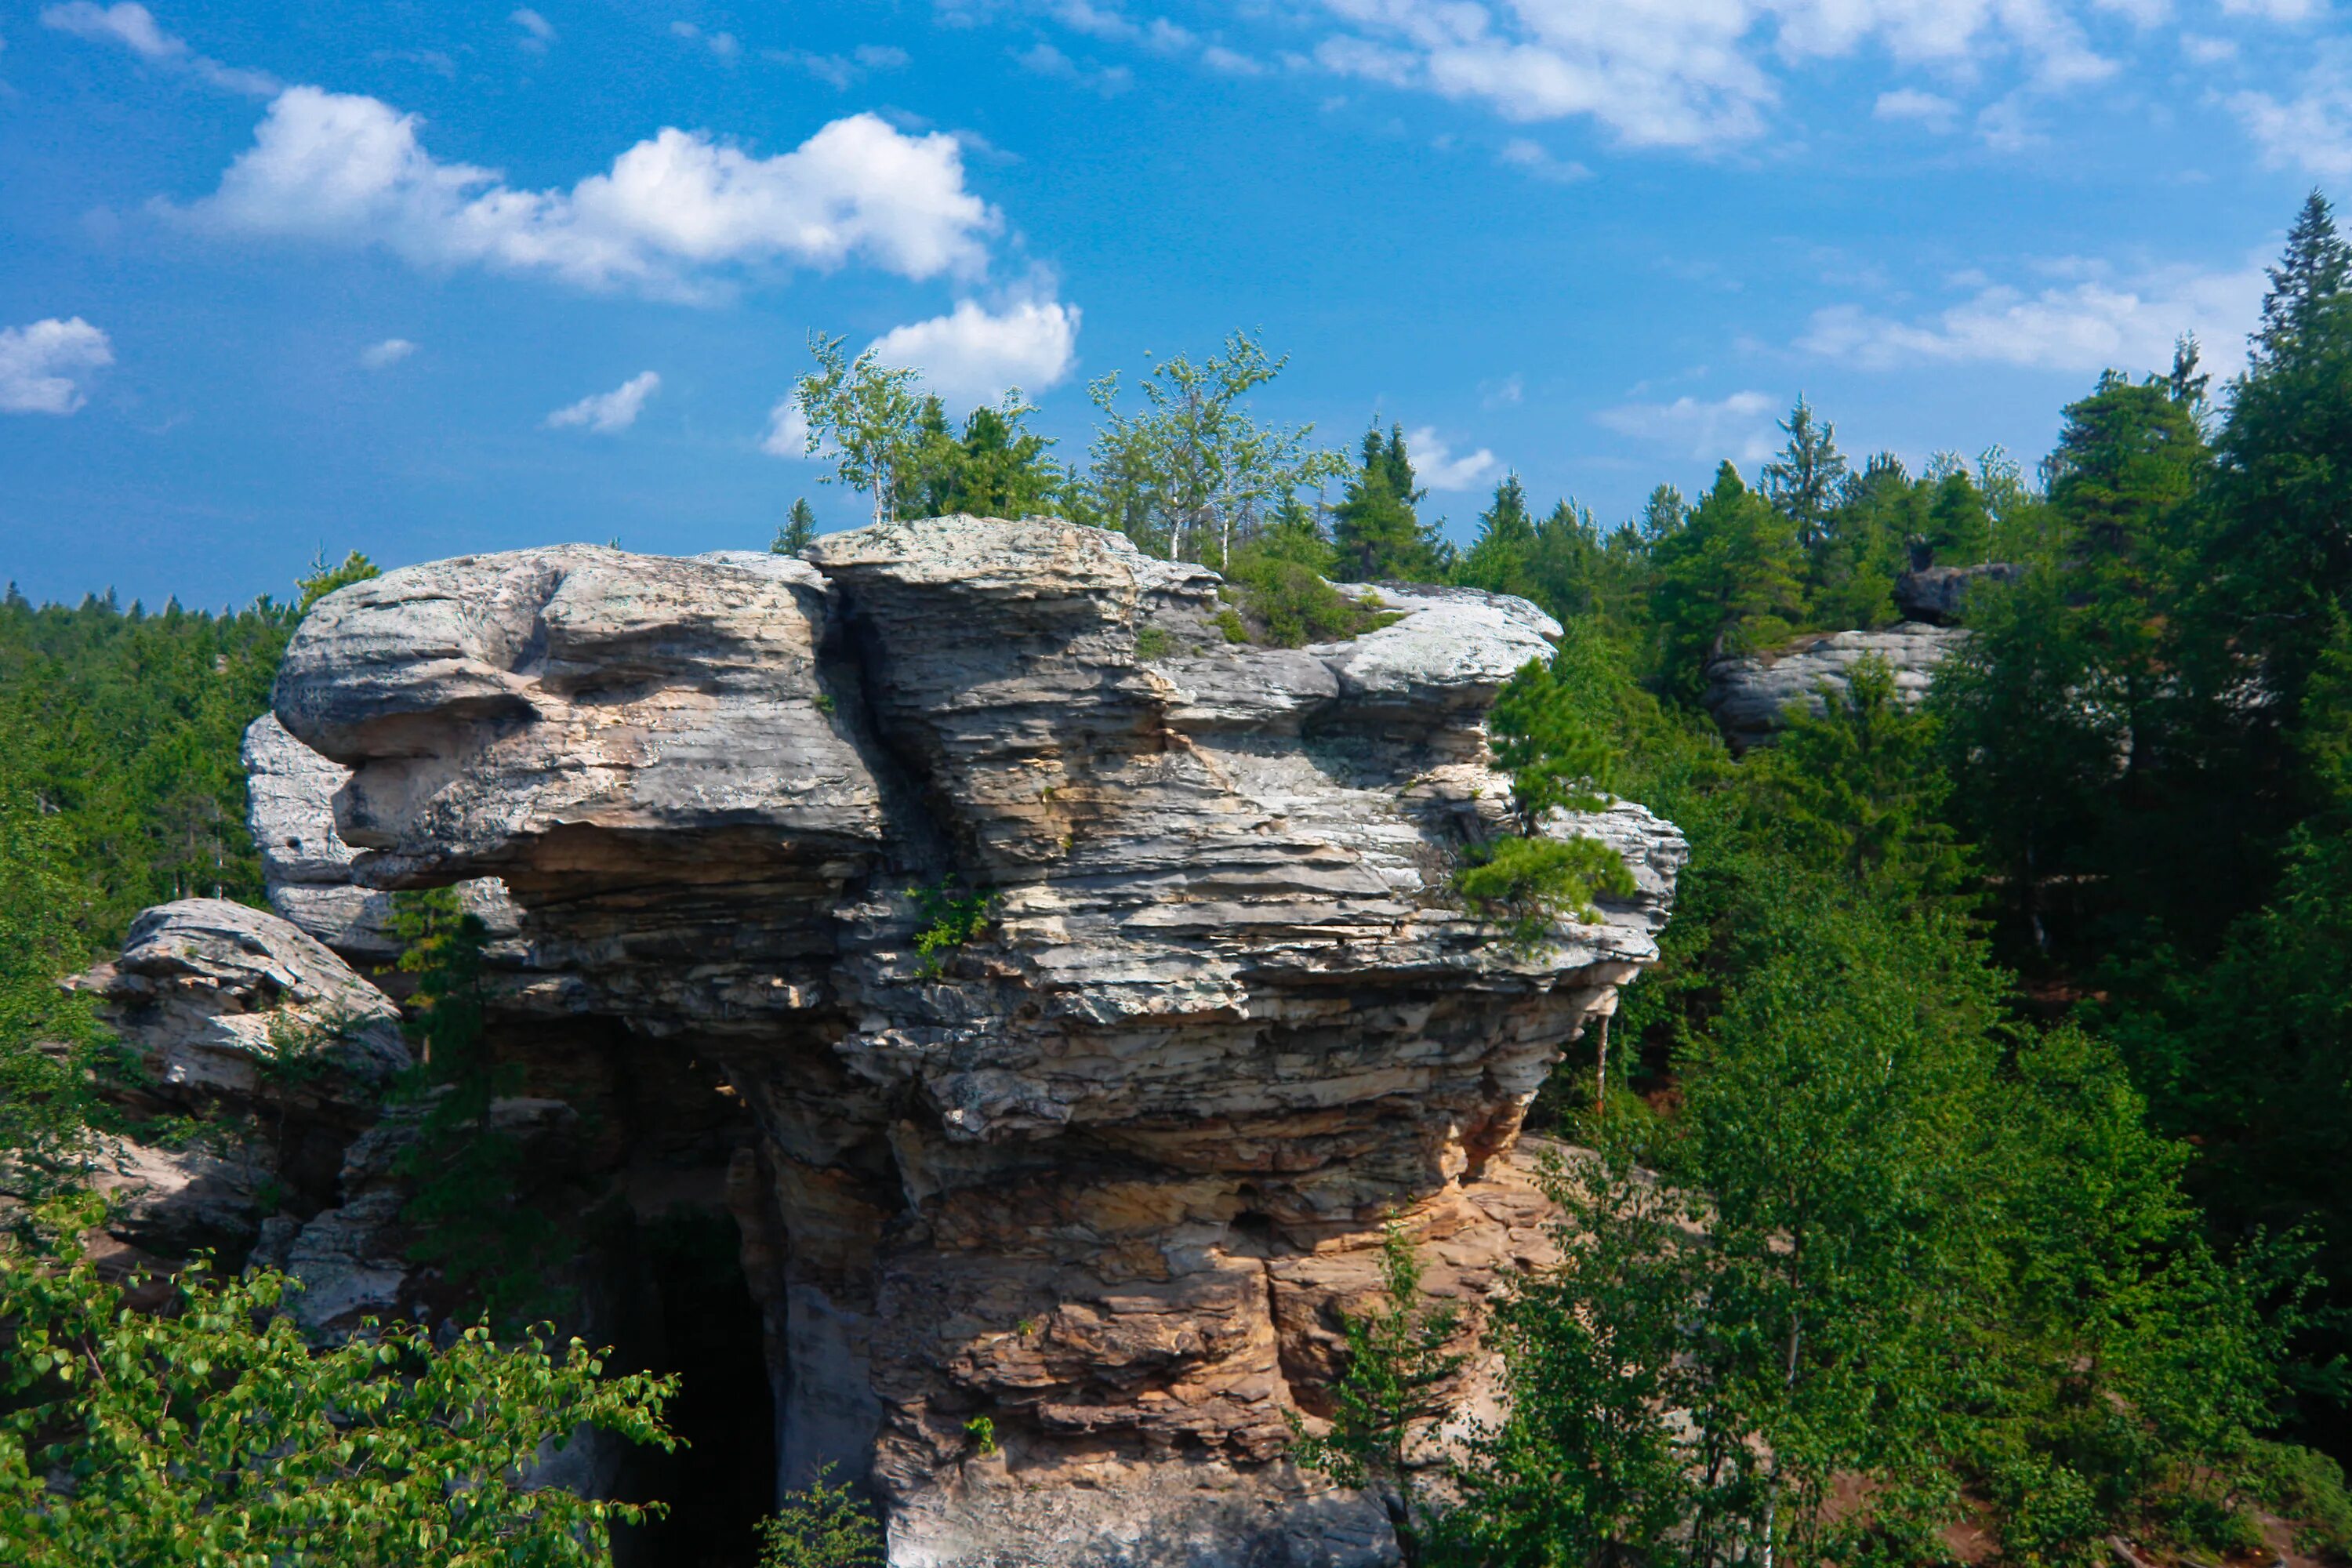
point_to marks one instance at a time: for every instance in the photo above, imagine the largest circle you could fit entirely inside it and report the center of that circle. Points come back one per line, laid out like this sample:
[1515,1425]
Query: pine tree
[1727,581]
[1499,559]
[799,530]
[1374,526]
[1803,481]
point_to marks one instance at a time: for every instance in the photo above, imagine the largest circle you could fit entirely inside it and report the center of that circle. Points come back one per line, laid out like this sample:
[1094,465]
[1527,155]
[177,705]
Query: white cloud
[538,32]
[2313,130]
[390,351]
[1434,464]
[608,412]
[971,355]
[2275,10]
[1535,158]
[1685,72]
[1740,427]
[1511,389]
[1930,110]
[341,168]
[722,44]
[2098,323]
[134,27]
[41,363]
[787,430]
[841,71]
[2204,51]
[1043,59]
[1232,62]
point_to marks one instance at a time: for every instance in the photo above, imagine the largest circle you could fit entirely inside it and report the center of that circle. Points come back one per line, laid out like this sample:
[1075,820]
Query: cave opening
[697,1318]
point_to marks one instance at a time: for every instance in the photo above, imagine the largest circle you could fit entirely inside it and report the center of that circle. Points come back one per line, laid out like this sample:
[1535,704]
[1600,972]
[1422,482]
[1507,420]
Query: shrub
[1535,883]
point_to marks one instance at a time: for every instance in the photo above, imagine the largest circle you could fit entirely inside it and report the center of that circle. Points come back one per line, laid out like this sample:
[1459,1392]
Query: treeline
[1978,1148]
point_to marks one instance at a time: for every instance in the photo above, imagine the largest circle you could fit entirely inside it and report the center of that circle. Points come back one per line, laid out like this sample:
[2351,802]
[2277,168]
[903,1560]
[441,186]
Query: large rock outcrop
[1094,985]
[1939,594]
[1749,694]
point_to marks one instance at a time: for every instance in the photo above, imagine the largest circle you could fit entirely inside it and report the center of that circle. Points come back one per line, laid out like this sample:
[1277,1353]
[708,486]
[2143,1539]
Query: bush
[209,1431]
[823,1527]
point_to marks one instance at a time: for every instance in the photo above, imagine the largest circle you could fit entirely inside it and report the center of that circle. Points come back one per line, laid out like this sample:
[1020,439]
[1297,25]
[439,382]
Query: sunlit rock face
[1751,694]
[1102,1173]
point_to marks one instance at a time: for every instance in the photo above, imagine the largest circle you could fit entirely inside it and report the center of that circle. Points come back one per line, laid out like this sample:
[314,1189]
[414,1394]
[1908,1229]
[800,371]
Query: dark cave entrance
[698,1320]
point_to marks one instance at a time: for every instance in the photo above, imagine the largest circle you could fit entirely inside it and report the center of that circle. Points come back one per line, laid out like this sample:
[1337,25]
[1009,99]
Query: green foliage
[998,469]
[1284,598]
[824,1526]
[323,579]
[798,530]
[1193,474]
[1374,528]
[1804,480]
[1727,580]
[981,1430]
[1857,789]
[869,416]
[467,1171]
[211,1432]
[1556,757]
[1536,884]
[1391,1384]
[949,919]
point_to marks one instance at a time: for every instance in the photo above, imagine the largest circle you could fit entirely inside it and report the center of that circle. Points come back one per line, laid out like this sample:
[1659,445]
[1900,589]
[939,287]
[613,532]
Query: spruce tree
[1374,526]
[2310,280]
[799,530]
[1803,481]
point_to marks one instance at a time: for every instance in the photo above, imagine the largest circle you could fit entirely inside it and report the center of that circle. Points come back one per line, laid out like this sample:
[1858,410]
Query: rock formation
[1749,694]
[1090,988]
[1939,594]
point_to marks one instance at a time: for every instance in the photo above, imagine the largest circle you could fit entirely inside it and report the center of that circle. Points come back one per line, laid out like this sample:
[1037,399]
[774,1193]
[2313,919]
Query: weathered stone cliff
[1102,1174]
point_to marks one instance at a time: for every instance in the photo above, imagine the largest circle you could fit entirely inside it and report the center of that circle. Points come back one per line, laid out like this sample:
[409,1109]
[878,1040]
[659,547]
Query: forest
[1976,1155]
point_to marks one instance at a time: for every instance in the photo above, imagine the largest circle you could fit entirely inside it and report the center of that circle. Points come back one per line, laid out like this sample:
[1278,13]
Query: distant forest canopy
[2040,998]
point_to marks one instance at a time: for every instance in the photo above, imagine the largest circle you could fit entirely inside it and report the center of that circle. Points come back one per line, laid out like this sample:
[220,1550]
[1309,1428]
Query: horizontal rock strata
[1749,694]
[1094,985]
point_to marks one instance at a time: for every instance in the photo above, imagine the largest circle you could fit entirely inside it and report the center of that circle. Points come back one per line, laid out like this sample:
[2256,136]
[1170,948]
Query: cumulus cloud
[134,27]
[1681,72]
[608,412]
[42,364]
[1436,465]
[788,431]
[2313,130]
[345,169]
[1740,427]
[390,351]
[973,355]
[2097,322]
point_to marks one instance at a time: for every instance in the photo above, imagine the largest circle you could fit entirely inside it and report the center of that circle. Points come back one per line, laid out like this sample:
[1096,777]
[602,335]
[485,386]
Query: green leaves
[211,1433]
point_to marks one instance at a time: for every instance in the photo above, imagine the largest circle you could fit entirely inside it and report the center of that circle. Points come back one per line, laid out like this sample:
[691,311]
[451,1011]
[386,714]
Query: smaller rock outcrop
[1938,594]
[1749,694]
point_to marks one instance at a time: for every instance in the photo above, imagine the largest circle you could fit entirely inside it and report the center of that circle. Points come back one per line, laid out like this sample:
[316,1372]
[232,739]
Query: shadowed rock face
[1104,1174]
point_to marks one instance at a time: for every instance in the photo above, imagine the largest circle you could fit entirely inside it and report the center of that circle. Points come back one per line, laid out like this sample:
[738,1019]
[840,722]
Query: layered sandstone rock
[1749,694]
[1100,1176]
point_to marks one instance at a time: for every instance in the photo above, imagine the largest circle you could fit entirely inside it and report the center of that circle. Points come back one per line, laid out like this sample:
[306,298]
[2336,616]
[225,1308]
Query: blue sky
[423,279]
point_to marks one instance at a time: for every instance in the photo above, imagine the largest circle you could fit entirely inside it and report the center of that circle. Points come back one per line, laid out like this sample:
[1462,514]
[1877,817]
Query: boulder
[1749,694]
[1938,594]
